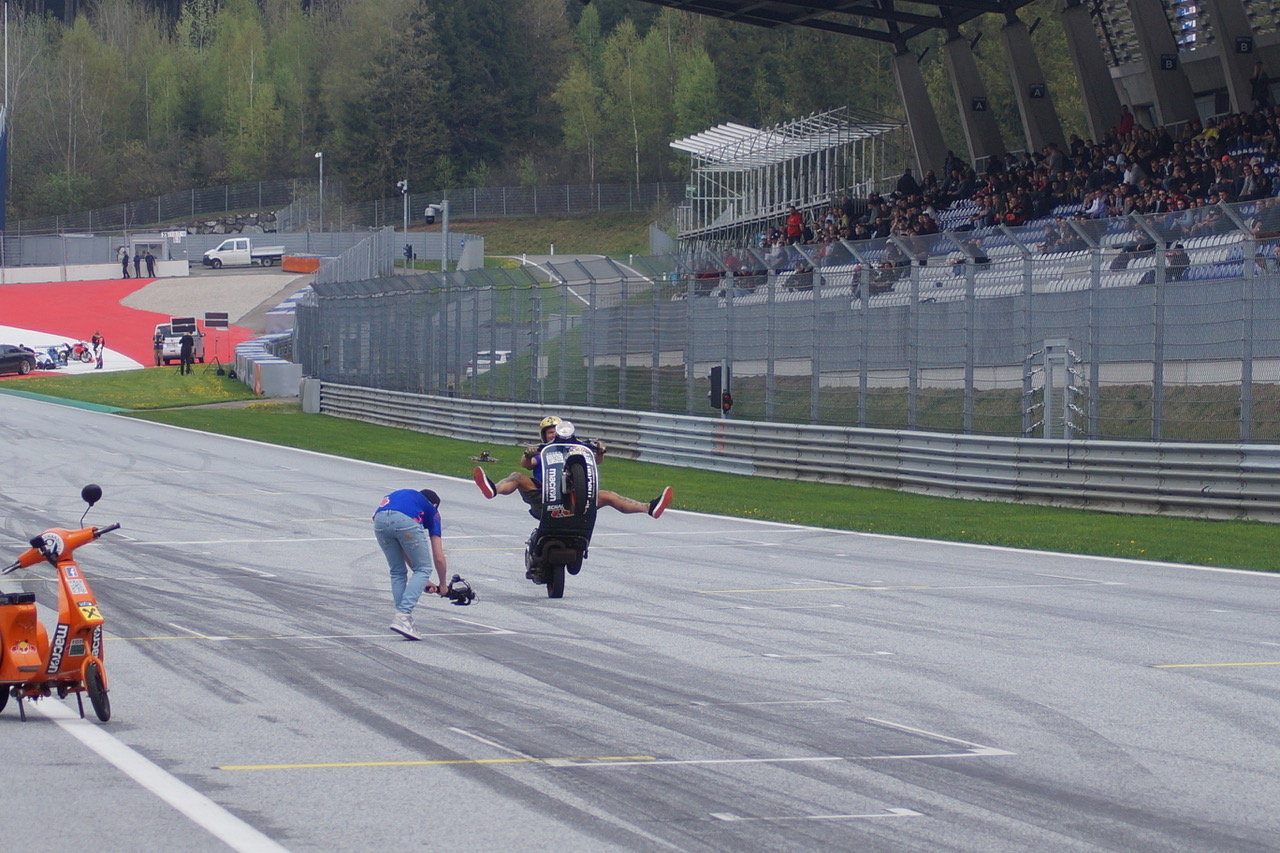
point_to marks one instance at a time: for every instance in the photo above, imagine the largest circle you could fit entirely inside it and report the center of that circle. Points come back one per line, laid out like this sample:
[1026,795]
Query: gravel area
[244,296]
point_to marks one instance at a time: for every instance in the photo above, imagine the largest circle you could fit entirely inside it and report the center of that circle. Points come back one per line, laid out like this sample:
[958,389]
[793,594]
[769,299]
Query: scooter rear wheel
[97,693]
[555,581]
[4,697]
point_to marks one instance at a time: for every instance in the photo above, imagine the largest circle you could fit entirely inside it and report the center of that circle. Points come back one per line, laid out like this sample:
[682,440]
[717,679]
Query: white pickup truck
[239,252]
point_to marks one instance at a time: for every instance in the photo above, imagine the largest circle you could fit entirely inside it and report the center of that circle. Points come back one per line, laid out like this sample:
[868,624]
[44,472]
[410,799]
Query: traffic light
[408,251]
[726,402]
[714,395]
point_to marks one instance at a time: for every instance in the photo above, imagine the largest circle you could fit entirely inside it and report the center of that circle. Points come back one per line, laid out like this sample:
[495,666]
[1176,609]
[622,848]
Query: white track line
[219,822]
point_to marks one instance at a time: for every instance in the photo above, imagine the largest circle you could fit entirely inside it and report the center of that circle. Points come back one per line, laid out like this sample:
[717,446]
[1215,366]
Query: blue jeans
[404,540]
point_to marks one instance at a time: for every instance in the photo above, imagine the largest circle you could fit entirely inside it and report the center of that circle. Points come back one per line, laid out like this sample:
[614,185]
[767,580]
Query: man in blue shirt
[407,526]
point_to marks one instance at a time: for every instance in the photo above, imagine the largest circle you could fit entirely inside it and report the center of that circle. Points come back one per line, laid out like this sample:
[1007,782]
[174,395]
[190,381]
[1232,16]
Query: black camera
[460,592]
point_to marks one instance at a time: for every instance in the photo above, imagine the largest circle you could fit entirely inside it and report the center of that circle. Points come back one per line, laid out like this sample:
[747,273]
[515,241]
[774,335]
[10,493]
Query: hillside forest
[116,100]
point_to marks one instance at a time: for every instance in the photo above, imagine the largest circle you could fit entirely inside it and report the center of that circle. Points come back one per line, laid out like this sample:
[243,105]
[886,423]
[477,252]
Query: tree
[580,98]
[84,100]
[623,106]
[696,100]
[396,130]
[249,118]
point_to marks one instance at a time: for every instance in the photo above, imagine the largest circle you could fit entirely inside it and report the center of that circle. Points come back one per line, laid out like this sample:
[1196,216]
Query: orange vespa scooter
[30,666]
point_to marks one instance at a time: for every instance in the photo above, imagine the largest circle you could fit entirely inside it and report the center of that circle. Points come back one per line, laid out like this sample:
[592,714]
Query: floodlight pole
[444,236]
[320,157]
[404,195]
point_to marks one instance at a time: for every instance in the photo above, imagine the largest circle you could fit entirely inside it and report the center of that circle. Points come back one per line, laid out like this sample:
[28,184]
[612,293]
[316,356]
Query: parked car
[487,360]
[171,344]
[240,252]
[15,359]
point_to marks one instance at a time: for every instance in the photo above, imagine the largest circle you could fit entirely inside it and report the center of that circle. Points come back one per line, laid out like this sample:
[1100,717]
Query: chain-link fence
[1132,328]
[299,205]
[172,207]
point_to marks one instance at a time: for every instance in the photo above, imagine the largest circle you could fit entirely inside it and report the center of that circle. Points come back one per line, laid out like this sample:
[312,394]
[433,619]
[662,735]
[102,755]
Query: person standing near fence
[137,264]
[124,262]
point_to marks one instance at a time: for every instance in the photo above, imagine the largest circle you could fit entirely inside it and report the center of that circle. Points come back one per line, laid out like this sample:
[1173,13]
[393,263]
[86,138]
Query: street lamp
[320,157]
[404,194]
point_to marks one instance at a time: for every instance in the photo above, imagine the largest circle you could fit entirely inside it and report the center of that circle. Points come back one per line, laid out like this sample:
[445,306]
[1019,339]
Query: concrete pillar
[922,121]
[1101,102]
[1230,24]
[1174,100]
[1040,122]
[976,117]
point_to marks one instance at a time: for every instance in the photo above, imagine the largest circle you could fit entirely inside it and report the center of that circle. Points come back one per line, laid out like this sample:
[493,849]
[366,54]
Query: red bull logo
[22,648]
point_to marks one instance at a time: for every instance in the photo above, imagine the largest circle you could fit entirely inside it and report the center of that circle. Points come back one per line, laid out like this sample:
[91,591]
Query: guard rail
[1181,479]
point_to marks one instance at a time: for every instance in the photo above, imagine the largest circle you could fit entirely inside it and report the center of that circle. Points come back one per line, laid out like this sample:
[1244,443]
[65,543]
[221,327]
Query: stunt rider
[530,485]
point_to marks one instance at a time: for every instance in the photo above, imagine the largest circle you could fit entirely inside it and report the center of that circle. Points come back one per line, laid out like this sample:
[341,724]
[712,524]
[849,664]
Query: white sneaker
[403,624]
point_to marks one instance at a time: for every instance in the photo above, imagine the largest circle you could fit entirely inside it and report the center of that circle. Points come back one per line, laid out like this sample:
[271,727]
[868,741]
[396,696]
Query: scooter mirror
[91,494]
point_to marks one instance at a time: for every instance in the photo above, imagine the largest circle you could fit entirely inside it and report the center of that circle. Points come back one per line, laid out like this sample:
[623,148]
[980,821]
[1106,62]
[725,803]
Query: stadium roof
[733,147]
[860,18]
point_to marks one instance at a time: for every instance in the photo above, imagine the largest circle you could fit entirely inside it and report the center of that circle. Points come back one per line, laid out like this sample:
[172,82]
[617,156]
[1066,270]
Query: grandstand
[742,178]
[1046,211]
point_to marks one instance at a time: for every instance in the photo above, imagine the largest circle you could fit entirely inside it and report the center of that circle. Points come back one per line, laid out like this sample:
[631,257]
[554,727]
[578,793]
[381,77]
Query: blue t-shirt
[414,504]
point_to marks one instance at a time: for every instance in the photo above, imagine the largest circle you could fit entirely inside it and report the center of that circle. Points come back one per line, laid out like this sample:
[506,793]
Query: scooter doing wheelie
[30,666]
[569,483]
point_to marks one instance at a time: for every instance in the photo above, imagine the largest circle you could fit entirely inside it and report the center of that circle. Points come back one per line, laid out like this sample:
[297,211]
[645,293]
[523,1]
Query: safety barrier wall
[262,364]
[1181,479]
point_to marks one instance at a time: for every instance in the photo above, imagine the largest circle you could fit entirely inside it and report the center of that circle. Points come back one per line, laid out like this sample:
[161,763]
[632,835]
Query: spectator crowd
[1179,175]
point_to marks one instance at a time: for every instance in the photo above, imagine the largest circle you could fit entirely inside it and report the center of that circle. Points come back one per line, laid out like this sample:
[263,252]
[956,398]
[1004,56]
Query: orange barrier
[300,263]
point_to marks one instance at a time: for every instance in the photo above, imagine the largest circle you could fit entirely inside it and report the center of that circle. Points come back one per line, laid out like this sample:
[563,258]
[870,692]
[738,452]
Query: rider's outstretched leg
[628,505]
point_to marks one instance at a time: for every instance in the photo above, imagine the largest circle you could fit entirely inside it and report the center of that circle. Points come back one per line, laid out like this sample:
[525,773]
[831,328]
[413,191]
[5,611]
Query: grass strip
[153,388]
[1237,544]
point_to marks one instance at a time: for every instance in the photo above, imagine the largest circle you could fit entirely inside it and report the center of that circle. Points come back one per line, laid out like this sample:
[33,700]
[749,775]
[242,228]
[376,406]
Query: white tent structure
[742,178]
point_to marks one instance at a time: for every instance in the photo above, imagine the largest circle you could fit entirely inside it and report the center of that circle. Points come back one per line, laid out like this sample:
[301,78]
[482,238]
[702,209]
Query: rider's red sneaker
[660,503]
[482,480]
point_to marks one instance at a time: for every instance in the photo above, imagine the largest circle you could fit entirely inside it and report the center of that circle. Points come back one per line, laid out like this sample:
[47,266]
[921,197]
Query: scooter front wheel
[4,697]
[97,692]
[575,486]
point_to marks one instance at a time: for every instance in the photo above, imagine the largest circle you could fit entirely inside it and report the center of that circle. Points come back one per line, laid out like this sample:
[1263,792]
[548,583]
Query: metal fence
[565,200]
[1105,330]
[298,204]
[173,207]
[78,249]
[1229,481]
[372,257]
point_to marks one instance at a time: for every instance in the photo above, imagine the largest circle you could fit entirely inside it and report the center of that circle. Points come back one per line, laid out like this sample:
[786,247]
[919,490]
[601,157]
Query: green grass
[427,265]
[1214,543]
[614,234]
[139,389]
